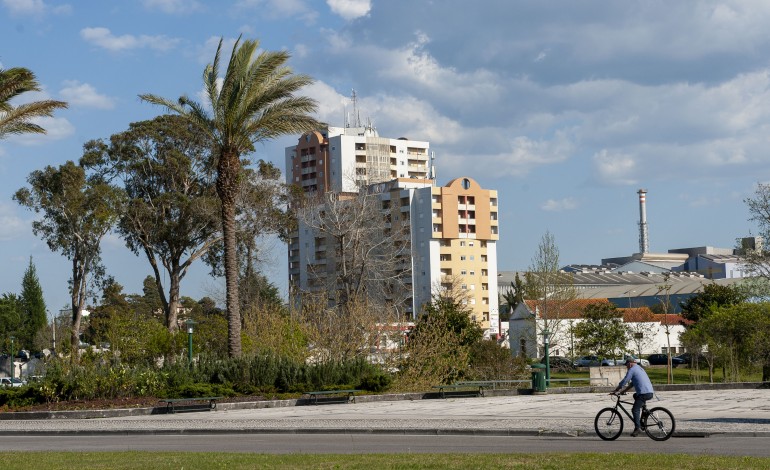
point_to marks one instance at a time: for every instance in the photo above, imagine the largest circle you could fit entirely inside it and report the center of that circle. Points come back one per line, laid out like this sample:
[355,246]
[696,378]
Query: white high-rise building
[346,158]
[453,230]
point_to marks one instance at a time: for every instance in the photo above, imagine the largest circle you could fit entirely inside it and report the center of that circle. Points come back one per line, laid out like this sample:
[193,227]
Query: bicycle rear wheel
[659,424]
[608,424]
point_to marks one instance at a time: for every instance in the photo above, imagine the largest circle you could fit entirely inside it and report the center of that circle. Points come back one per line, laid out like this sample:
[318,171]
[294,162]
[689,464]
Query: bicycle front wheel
[608,424]
[659,424]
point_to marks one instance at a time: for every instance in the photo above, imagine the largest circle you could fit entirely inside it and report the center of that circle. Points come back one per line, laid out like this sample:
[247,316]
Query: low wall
[612,374]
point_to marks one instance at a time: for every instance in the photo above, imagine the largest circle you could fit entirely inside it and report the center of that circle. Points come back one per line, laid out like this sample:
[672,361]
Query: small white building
[648,332]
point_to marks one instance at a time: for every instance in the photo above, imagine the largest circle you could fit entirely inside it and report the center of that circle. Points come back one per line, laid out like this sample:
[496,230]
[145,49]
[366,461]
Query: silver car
[11,382]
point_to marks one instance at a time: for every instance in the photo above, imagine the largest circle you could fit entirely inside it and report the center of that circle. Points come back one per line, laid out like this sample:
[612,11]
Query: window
[466,183]
[463,272]
[470,243]
[472,287]
[472,257]
[462,243]
[462,258]
[484,272]
[464,286]
[484,258]
[436,227]
[473,273]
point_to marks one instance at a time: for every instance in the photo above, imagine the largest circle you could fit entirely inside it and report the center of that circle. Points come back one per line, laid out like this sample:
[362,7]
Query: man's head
[630,362]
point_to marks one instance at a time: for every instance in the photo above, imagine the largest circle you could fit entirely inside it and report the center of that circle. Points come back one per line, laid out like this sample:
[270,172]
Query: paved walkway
[737,412]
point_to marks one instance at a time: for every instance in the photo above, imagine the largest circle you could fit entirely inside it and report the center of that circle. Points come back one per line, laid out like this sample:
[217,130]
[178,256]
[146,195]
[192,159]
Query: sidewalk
[744,412]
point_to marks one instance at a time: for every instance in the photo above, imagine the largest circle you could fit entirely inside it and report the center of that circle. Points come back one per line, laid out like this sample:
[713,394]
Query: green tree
[602,331]
[438,349]
[255,101]
[35,316]
[11,314]
[737,335]
[171,204]
[18,119]
[714,295]
[78,210]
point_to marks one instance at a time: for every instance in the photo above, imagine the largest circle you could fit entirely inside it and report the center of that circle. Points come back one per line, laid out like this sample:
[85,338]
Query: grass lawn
[193,460]
[657,374]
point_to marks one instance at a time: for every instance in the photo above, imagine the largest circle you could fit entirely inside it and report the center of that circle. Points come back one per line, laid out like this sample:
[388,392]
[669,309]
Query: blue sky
[566,108]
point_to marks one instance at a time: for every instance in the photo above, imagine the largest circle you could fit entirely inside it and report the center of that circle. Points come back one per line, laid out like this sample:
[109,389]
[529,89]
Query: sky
[565,107]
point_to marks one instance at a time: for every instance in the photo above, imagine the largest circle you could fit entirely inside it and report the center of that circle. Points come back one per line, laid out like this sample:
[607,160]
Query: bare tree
[366,249]
[553,288]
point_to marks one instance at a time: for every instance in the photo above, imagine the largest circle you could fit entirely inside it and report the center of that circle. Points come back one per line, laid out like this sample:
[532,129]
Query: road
[383,443]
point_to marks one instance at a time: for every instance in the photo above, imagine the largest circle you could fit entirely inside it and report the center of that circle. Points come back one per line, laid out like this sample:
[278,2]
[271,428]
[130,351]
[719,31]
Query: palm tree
[16,119]
[254,102]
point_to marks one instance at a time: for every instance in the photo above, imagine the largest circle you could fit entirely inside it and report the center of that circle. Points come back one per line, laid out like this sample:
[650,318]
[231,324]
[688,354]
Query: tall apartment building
[452,229]
[455,229]
[347,158]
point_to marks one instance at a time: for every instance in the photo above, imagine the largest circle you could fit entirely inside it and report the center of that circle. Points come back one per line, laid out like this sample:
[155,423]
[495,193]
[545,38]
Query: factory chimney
[644,244]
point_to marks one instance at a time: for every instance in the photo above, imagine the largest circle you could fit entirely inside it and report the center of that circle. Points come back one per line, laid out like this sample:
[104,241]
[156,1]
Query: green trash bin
[538,378]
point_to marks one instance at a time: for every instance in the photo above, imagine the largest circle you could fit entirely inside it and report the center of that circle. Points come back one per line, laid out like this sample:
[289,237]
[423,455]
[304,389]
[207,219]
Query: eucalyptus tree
[77,212]
[253,102]
[170,213]
[14,82]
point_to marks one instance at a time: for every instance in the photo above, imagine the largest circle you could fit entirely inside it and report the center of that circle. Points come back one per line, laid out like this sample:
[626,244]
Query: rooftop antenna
[433,167]
[356,115]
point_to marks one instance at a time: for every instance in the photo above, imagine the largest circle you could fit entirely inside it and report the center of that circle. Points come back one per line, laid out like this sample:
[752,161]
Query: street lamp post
[189,324]
[546,345]
[13,354]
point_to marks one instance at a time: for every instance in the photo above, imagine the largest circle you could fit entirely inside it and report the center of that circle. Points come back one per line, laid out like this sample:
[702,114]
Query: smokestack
[644,245]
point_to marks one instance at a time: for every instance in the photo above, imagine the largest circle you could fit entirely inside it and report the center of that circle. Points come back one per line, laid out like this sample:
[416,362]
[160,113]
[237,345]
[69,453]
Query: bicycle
[658,422]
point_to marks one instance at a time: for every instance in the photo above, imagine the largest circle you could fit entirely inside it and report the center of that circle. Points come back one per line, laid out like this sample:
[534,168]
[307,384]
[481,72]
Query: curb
[353,431]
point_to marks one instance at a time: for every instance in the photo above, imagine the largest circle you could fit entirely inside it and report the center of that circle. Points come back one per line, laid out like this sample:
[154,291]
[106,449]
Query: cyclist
[636,377]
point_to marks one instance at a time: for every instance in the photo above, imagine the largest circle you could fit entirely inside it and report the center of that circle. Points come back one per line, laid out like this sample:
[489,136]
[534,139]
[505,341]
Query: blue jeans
[639,400]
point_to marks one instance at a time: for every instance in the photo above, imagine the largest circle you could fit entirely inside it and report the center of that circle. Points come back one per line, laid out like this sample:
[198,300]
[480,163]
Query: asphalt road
[383,443]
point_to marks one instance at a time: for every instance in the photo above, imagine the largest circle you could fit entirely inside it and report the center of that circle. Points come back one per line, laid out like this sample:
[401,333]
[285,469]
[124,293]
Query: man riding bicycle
[637,378]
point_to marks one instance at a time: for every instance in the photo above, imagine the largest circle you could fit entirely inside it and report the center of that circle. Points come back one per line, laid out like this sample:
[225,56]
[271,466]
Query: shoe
[636,432]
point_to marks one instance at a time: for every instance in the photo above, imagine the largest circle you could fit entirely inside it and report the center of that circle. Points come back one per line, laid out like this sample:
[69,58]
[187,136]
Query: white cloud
[350,9]
[83,94]
[11,225]
[279,9]
[615,167]
[56,129]
[173,6]
[34,7]
[102,37]
[554,205]
[25,7]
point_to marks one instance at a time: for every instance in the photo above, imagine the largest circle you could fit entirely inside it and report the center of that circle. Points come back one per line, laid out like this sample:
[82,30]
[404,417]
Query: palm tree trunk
[227,188]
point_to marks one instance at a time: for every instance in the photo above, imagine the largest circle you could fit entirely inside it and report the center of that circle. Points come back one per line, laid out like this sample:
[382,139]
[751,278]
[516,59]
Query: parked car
[558,363]
[641,362]
[593,361]
[662,360]
[687,358]
[10,382]
[588,361]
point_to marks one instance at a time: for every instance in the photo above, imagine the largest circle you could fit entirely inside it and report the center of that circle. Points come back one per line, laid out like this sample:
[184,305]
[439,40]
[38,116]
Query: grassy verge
[681,375]
[190,460]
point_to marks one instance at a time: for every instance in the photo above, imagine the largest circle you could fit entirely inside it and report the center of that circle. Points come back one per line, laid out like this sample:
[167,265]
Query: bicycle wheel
[659,424]
[608,424]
